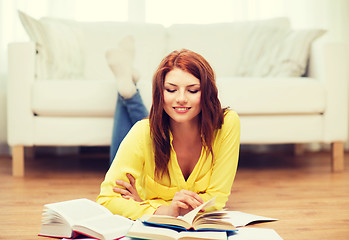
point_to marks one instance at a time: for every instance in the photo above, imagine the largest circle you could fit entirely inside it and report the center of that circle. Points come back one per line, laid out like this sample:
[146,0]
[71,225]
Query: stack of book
[83,217]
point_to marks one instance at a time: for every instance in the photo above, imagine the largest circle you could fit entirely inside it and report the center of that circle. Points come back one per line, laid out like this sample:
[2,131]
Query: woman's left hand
[130,191]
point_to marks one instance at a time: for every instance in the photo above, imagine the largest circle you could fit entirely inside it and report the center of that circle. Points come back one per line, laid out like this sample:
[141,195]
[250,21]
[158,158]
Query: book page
[185,221]
[213,215]
[189,217]
[164,220]
[139,230]
[111,226]
[247,233]
[78,209]
[239,219]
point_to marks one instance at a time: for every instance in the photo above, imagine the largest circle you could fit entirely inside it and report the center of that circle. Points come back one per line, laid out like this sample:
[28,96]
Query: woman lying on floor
[184,154]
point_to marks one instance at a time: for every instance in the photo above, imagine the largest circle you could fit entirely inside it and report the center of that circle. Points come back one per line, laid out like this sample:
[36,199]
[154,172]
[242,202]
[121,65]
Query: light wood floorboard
[310,201]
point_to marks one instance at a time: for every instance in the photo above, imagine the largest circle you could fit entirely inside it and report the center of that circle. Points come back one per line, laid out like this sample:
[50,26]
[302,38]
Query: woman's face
[182,94]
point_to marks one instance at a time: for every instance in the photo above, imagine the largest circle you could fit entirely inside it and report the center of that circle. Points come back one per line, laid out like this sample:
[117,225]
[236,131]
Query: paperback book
[82,216]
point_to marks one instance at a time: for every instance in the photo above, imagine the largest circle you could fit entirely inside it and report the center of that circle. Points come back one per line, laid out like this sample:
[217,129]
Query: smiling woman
[188,147]
[182,96]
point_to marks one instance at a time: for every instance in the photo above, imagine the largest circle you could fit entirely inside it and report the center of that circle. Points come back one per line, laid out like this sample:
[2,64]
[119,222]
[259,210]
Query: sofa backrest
[222,44]
[76,50]
[150,42]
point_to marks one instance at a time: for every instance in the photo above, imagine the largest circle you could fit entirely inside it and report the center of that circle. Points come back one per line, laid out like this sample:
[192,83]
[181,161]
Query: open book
[192,220]
[213,221]
[65,219]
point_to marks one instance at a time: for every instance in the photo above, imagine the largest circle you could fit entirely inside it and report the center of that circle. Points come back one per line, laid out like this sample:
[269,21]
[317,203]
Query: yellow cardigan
[136,156]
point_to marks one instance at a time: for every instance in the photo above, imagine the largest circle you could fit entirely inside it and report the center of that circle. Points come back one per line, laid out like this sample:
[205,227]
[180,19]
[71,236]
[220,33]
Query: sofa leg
[337,156]
[18,161]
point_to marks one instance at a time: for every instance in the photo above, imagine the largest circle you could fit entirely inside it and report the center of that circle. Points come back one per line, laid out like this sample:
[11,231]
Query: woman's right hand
[183,202]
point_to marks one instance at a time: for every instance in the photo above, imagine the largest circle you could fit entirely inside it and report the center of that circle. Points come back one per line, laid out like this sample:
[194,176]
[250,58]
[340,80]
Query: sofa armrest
[21,74]
[328,63]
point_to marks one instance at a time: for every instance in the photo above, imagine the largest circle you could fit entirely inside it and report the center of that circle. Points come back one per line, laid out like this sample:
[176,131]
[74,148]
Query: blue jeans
[127,113]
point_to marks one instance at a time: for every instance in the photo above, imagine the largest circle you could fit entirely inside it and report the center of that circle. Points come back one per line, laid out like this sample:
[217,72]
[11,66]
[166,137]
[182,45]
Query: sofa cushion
[253,96]
[80,98]
[244,95]
[74,98]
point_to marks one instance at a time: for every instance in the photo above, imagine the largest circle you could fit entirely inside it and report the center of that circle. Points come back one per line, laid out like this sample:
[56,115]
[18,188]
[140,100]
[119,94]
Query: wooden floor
[310,201]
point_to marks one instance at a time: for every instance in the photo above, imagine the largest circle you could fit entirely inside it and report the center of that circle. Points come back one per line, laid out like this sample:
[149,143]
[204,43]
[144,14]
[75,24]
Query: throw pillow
[69,49]
[277,52]
[255,56]
[290,56]
[57,44]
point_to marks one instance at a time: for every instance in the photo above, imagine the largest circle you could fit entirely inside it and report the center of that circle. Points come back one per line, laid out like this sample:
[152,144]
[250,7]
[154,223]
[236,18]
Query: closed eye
[193,91]
[170,90]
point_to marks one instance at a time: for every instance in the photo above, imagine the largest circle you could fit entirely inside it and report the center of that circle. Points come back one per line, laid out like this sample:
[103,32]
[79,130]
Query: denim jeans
[127,113]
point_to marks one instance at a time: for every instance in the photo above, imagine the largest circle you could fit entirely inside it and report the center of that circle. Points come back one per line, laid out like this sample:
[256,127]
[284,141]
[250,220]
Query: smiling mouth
[181,108]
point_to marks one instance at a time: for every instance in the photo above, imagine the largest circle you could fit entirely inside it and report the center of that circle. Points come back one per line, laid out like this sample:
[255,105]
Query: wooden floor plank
[310,201]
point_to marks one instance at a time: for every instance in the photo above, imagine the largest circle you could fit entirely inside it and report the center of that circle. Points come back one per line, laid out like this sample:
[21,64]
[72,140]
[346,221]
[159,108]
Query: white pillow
[76,50]
[58,46]
[290,57]
[256,51]
[271,52]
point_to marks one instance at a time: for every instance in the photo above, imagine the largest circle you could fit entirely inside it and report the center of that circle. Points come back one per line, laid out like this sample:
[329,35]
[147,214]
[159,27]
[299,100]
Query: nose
[181,97]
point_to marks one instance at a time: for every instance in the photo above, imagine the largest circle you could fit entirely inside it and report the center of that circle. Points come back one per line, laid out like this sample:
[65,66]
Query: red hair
[210,118]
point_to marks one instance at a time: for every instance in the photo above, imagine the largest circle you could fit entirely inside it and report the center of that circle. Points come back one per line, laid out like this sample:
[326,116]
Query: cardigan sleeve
[129,159]
[226,154]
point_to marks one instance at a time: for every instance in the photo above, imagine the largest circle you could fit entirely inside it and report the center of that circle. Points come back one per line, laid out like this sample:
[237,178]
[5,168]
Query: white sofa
[285,89]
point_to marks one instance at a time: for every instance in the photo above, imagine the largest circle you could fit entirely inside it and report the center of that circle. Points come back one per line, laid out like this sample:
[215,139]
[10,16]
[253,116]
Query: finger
[124,184]
[180,204]
[194,195]
[192,202]
[199,199]
[131,178]
[183,201]
[188,198]
[120,182]
[121,191]
[131,190]
[127,197]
